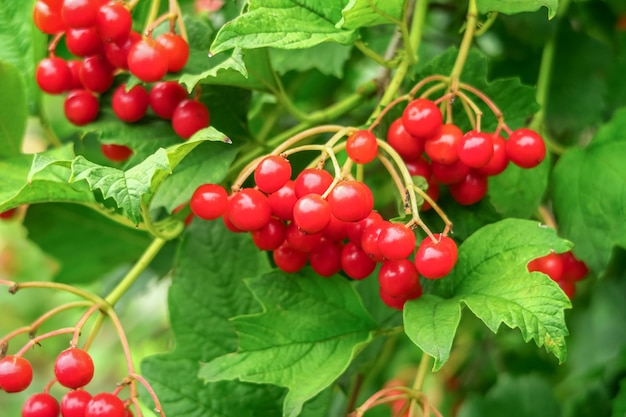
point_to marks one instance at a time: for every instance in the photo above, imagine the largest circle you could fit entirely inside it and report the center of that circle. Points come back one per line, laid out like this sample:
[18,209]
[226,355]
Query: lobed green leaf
[13,121]
[517,6]
[362,13]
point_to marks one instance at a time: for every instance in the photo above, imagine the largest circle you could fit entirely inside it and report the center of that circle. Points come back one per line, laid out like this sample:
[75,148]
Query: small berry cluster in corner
[99,33]
[563,268]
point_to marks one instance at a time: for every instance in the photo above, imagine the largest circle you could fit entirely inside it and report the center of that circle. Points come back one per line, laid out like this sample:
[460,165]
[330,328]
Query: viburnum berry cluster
[100,35]
[563,268]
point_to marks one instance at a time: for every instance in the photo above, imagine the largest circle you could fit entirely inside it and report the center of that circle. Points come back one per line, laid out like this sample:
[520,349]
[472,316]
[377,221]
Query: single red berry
[79,14]
[355,229]
[147,60]
[470,190]
[399,278]
[355,262]
[302,241]
[476,149]
[189,117]
[113,22]
[117,52]
[283,200]
[249,209]
[83,42]
[177,50]
[105,405]
[47,18]
[525,148]
[74,403]
[573,268]
[336,230]
[369,240]
[568,287]
[349,202]
[398,303]
[165,96]
[270,236]
[288,259]
[422,118]
[41,405]
[449,174]
[73,368]
[16,374]
[115,153]
[325,259]
[272,173]
[209,201]
[229,224]
[419,167]
[81,107]
[499,161]
[444,146]
[362,146]
[130,106]
[396,241]
[53,75]
[75,66]
[312,181]
[551,265]
[96,74]
[7,214]
[408,146]
[435,259]
[311,213]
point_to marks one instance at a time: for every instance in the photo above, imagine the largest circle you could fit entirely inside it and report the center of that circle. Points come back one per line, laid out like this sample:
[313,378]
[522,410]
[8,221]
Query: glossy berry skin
[408,146]
[302,241]
[398,278]
[312,181]
[47,18]
[75,66]
[115,153]
[525,148]
[147,60]
[355,230]
[272,173]
[113,22]
[130,106]
[573,268]
[41,405]
[81,107]
[270,236]
[117,53]
[475,149]
[79,13]
[73,368]
[422,118]
[362,146]
[177,50]
[369,240]
[189,117]
[470,190]
[288,259]
[444,146]
[16,374]
[325,259]
[74,403]
[283,200]
[96,74]
[551,265]
[355,263]
[105,405]
[53,75]
[83,42]
[349,202]
[209,201]
[249,209]
[165,96]
[499,161]
[336,230]
[435,259]
[419,167]
[396,241]
[311,213]
[449,174]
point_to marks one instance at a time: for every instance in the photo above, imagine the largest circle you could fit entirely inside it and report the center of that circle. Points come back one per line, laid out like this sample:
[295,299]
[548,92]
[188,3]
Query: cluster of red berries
[563,268]
[100,33]
[73,369]
[329,224]
[444,155]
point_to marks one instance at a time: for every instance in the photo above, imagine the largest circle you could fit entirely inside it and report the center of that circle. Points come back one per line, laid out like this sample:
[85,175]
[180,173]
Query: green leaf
[13,122]
[517,6]
[206,291]
[335,58]
[619,402]
[307,335]
[589,194]
[286,24]
[361,13]
[492,280]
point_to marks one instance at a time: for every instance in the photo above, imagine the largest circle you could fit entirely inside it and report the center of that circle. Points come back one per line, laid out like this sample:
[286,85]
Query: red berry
[189,117]
[422,118]
[349,201]
[499,161]
[311,213]
[435,258]
[74,403]
[289,259]
[47,17]
[408,146]
[83,42]
[362,146]
[325,259]
[105,405]
[7,214]
[336,230]
[130,106]
[113,22]
[573,268]
[189,217]
[551,265]
[355,262]
[369,240]
[270,236]
[115,153]
[444,146]
[355,230]
[470,190]
[177,50]
[229,224]
[568,287]
[312,181]
[249,209]
[476,149]
[525,148]
[81,107]
[398,303]
[41,405]
[53,75]
[73,368]
[75,66]
[432,192]
[147,60]
[419,167]
[396,241]
[209,201]
[16,373]
[283,200]
[272,173]
[79,13]
[304,242]
[449,174]
[399,278]
[165,96]
[117,53]
[96,74]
